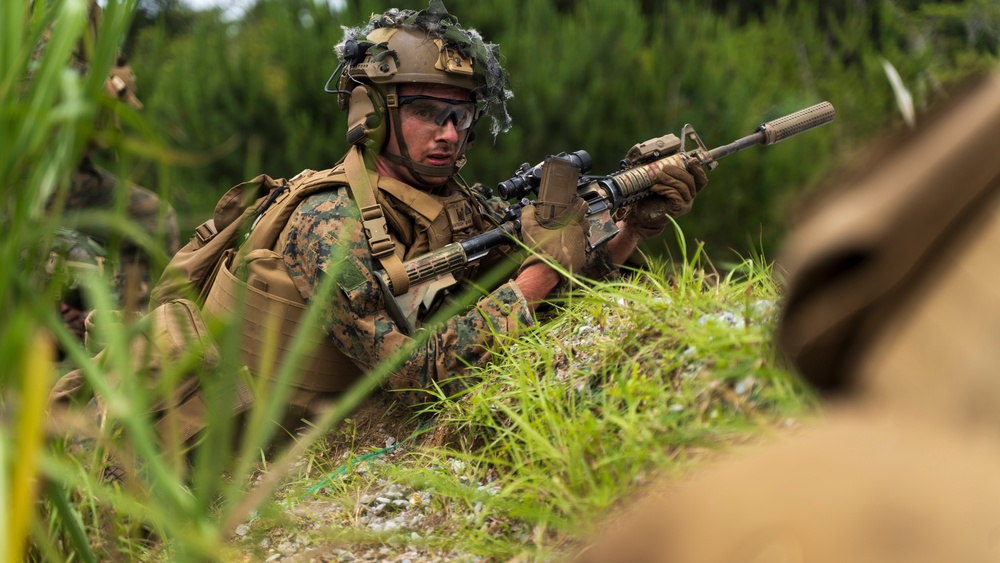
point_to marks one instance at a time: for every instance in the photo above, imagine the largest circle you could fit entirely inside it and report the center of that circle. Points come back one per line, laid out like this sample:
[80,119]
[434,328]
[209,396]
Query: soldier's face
[433,121]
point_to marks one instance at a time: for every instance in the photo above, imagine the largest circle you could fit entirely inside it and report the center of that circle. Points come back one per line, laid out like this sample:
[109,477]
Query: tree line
[241,97]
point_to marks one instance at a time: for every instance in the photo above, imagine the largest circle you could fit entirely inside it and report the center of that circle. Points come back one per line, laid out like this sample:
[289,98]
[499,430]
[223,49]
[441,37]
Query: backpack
[175,325]
[242,209]
[196,265]
[237,274]
[201,280]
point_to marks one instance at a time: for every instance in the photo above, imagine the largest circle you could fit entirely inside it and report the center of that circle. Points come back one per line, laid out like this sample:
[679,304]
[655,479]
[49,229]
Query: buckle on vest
[206,231]
[376,230]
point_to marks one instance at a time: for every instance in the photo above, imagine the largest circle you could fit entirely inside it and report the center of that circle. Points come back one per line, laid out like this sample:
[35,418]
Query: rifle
[603,194]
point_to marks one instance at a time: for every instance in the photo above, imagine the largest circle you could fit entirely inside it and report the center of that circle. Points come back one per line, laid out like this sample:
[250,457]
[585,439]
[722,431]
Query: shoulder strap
[274,214]
[373,221]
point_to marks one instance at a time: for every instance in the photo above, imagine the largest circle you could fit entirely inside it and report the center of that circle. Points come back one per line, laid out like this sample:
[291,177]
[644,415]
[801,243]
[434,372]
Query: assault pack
[200,283]
[240,237]
[232,264]
[201,272]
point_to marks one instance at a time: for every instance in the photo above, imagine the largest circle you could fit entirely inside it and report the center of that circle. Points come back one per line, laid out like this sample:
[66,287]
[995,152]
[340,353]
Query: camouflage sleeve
[93,188]
[356,317]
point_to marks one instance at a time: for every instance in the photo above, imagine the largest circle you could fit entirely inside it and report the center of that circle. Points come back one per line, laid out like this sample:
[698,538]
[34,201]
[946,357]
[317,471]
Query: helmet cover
[429,46]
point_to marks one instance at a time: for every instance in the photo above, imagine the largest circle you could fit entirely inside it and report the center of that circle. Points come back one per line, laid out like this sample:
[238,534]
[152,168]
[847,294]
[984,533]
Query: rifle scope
[527,178]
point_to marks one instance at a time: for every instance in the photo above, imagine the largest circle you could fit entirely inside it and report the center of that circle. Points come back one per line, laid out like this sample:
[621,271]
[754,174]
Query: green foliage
[630,378]
[625,383]
[587,74]
[57,504]
[675,362]
[47,115]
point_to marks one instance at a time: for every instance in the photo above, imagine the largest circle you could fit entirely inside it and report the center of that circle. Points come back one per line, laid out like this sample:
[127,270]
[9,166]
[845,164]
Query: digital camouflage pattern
[357,320]
[71,253]
[93,189]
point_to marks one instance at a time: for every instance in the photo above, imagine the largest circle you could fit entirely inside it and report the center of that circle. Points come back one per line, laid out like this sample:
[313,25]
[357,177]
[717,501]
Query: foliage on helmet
[492,82]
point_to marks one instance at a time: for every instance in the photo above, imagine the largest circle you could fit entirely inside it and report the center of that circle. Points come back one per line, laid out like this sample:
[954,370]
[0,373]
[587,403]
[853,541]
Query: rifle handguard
[607,194]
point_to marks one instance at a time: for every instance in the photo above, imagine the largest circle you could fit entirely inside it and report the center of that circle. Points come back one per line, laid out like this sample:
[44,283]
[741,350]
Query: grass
[626,382]
[44,124]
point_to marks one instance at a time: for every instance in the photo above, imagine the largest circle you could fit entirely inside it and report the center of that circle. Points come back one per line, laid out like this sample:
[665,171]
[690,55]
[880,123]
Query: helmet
[424,59]
[407,47]
[121,83]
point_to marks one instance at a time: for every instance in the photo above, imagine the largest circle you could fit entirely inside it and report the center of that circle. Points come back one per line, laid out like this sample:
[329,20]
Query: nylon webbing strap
[373,221]
[397,274]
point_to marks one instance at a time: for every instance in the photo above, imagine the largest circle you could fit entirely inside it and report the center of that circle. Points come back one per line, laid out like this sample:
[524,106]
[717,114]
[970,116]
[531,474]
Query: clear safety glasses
[429,109]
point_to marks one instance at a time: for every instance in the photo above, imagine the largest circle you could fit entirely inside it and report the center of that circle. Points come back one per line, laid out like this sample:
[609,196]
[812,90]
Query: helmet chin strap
[420,172]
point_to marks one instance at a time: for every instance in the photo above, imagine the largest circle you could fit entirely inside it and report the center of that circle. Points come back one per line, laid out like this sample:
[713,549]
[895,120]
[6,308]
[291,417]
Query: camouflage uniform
[356,318]
[395,49]
[92,188]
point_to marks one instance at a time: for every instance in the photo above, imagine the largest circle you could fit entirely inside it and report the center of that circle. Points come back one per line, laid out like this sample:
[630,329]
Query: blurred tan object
[859,489]
[892,301]
[939,356]
[890,276]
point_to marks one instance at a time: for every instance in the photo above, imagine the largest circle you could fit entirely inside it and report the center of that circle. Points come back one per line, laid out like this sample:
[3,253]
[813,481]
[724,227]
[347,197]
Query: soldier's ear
[366,119]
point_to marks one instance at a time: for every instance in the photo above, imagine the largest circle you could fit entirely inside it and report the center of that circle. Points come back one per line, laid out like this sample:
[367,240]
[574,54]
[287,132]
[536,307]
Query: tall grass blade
[35,372]
[69,518]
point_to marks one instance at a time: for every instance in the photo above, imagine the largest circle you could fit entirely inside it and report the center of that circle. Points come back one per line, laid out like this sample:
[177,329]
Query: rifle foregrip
[441,261]
[455,256]
[634,182]
[795,123]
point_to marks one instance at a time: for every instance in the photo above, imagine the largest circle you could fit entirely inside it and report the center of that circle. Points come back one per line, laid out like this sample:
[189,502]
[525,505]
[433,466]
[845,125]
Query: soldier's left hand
[672,196]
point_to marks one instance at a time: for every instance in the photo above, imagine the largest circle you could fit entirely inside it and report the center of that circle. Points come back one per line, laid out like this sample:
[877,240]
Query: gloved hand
[562,239]
[672,196]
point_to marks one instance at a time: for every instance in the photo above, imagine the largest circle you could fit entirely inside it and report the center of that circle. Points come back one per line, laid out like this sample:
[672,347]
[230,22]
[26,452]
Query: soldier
[93,189]
[413,85]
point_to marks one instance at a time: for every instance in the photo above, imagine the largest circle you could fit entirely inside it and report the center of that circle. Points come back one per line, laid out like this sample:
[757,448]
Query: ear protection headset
[366,113]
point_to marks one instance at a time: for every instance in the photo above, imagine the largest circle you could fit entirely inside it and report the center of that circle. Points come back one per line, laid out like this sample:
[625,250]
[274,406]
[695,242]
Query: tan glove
[672,196]
[562,239]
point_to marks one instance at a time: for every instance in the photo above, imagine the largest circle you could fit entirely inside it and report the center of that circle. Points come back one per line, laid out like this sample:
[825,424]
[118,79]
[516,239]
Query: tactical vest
[252,281]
